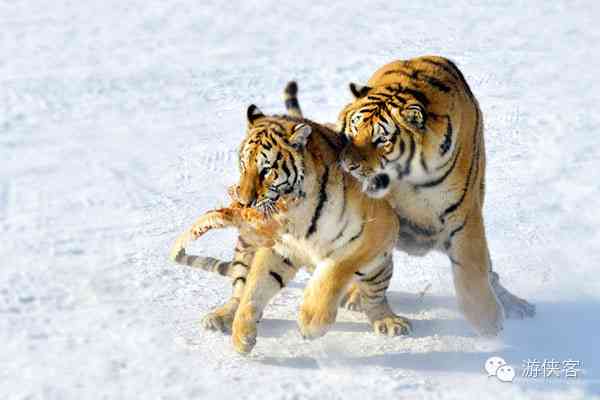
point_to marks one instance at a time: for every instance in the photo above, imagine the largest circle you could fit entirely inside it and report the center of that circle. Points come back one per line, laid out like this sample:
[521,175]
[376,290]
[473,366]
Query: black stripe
[379,290]
[343,212]
[353,238]
[379,282]
[402,145]
[475,160]
[239,278]
[359,273]
[410,156]
[339,235]
[423,163]
[243,242]
[441,179]
[278,278]
[292,103]
[417,94]
[285,169]
[447,143]
[240,263]
[451,68]
[449,160]
[436,83]
[453,261]
[372,278]
[418,229]
[443,66]
[379,97]
[458,229]
[399,99]
[266,144]
[462,78]
[296,176]
[371,296]
[322,199]
[271,124]
[400,150]
[332,145]
[448,242]
[421,76]
[287,262]
[222,267]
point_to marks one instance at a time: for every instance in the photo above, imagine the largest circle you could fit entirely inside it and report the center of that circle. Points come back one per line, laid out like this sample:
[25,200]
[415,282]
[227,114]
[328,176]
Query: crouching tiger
[332,227]
[415,137]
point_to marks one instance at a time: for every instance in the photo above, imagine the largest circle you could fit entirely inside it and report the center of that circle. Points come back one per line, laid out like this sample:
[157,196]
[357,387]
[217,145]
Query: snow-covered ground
[119,123]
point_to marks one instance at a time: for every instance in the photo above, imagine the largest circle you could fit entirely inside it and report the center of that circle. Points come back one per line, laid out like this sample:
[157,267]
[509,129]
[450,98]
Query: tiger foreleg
[268,274]
[322,296]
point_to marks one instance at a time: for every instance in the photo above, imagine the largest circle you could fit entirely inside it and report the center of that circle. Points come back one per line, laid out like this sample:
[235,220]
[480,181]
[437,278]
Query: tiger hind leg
[352,299]
[375,305]
[221,318]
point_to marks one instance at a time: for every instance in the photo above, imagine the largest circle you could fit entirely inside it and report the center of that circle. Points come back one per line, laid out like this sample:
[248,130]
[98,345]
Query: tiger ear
[359,90]
[253,113]
[300,136]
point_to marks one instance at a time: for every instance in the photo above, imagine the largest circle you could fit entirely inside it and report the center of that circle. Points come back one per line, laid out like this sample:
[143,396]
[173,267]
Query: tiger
[339,233]
[415,138]
[221,318]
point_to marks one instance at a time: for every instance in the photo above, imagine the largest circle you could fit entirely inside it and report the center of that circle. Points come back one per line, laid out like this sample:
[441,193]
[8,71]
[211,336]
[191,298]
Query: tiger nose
[381,181]
[246,201]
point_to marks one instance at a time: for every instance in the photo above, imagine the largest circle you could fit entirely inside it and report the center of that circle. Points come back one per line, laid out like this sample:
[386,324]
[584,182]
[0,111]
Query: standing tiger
[221,318]
[331,227]
[415,137]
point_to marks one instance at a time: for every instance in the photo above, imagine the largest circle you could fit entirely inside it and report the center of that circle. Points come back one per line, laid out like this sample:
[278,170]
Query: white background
[119,124]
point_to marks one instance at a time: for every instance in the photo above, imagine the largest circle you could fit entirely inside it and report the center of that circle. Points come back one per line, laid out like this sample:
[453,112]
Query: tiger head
[391,136]
[271,160]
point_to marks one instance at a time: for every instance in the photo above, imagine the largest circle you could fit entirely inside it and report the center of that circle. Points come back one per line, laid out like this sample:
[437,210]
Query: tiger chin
[415,138]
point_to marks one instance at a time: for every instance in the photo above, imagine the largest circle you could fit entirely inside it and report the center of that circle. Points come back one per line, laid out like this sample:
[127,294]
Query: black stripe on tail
[290,96]
[208,264]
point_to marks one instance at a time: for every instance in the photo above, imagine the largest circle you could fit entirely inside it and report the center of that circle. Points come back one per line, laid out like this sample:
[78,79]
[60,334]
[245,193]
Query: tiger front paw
[244,330]
[315,319]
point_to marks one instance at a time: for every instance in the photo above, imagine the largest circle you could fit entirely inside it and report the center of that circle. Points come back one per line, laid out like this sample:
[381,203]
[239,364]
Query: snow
[119,124]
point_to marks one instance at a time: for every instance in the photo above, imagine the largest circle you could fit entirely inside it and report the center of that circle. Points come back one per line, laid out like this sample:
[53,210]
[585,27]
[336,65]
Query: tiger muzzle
[380,181]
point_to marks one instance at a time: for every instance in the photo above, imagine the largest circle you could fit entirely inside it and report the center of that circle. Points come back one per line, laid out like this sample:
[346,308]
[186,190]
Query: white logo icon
[505,373]
[493,364]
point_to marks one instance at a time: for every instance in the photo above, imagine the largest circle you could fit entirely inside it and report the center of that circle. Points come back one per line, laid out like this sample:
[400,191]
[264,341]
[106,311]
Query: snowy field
[119,123]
